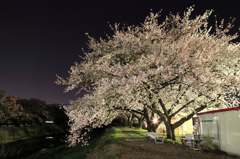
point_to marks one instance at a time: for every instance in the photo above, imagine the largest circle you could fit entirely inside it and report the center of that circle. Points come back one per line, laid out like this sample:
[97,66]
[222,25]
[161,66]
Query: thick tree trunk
[170,131]
[151,126]
[169,127]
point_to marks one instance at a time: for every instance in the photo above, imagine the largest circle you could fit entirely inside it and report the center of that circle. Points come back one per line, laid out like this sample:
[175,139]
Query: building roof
[220,110]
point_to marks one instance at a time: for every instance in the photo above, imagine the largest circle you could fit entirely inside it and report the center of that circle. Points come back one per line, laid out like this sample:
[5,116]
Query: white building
[221,129]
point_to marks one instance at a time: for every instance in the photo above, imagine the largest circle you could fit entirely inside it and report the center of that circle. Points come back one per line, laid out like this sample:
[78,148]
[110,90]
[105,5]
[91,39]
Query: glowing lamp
[155,121]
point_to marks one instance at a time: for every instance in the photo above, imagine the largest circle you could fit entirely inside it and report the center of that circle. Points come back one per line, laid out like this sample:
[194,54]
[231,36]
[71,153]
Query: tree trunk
[128,116]
[151,127]
[140,122]
[170,131]
[131,122]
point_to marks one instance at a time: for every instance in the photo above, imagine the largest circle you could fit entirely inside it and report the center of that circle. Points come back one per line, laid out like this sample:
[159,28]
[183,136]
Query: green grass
[140,131]
[12,134]
[111,136]
[9,140]
[140,134]
[178,138]
[143,133]
[114,133]
[110,144]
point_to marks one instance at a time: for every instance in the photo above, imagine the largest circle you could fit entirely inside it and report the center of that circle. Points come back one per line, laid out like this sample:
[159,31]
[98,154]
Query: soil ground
[134,145]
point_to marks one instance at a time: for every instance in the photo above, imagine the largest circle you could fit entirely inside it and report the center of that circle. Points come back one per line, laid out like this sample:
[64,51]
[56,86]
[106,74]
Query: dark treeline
[29,112]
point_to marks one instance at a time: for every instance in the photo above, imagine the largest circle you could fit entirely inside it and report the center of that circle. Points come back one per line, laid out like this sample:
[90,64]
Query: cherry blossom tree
[86,113]
[155,69]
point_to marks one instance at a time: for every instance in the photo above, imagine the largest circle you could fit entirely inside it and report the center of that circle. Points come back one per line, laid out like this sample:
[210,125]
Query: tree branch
[181,121]
[130,110]
[184,106]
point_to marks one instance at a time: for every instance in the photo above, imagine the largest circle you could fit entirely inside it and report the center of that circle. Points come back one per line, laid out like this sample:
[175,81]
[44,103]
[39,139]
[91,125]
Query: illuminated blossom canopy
[156,70]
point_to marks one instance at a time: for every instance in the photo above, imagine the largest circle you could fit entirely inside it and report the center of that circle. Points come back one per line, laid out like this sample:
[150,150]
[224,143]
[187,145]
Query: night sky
[42,38]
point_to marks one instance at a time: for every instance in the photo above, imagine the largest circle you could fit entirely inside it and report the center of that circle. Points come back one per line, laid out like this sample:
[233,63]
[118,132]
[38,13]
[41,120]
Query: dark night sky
[42,38]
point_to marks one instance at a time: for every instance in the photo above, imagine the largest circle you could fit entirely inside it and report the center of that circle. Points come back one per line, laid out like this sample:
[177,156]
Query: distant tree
[2,108]
[11,103]
[11,110]
[14,110]
[2,97]
[159,69]
[37,107]
[58,115]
